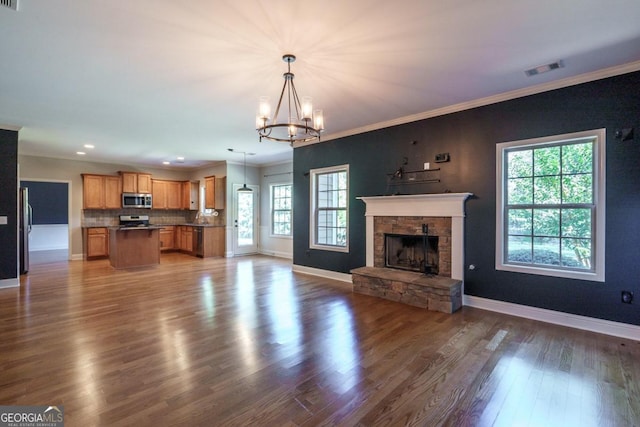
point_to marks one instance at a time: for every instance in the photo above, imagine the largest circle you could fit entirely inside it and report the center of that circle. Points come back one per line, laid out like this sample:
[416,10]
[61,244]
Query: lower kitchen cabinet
[96,242]
[184,238]
[167,238]
[213,241]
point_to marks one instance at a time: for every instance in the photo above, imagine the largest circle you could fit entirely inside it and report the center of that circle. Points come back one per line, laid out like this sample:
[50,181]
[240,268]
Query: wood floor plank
[245,341]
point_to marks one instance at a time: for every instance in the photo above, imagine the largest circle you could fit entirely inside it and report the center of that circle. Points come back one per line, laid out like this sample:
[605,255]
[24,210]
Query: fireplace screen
[411,252]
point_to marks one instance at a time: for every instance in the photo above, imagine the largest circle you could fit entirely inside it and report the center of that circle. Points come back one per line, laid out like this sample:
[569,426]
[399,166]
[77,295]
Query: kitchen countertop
[190,224]
[145,227]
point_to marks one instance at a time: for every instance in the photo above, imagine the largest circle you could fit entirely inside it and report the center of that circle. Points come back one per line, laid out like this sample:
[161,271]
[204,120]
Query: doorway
[245,220]
[49,238]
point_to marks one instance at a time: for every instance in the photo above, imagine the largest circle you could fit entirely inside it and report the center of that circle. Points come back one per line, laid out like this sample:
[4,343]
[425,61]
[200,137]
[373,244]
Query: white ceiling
[150,80]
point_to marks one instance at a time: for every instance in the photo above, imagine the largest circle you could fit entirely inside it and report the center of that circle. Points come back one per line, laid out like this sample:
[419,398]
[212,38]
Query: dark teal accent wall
[470,137]
[49,202]
[9,204]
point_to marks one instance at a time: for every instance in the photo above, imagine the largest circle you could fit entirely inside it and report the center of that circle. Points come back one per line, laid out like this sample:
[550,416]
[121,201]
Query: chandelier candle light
[301,124]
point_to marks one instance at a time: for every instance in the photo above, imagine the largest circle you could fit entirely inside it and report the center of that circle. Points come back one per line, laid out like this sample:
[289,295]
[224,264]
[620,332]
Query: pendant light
[244,153]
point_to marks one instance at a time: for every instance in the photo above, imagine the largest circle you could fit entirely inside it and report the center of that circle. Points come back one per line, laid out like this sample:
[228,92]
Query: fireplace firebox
[411,252]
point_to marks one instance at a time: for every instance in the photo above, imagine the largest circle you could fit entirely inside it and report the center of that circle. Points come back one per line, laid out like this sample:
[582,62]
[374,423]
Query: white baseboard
[77,257]
[277,254]
[622,330]
[48,248]
[343,277]
[10,283]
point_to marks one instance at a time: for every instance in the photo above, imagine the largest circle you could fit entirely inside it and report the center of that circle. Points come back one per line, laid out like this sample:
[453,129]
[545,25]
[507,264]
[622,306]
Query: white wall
[270,245]
[49,237]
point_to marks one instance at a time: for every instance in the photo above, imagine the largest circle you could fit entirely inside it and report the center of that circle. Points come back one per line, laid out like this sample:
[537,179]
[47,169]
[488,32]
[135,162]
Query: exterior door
[245,239]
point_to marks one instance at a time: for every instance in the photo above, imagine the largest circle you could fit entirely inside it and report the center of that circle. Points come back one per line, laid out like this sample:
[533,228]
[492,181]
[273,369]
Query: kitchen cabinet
[134,246]
[174,195]
[167,238]
[213,241]
[184,238]
[133,182]
[190,192]
[166,194]
[159,194]
[96,242]
[215,192]
[101,191]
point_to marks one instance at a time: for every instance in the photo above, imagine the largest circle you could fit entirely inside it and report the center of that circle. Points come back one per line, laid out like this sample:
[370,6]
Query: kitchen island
[134,246]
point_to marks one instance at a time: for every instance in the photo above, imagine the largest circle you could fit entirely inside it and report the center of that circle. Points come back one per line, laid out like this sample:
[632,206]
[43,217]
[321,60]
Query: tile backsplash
[110,218]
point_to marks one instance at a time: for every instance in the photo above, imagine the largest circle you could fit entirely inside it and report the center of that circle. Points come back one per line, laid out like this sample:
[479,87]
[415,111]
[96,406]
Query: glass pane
[547,161]
[576,223]
[576,253]
[519,249]
[520,164]
[520,191]
[342,199]
[520,221]
[546,190]
[546,222]
[245,218]
[577,158]
[546,251]
[577,188]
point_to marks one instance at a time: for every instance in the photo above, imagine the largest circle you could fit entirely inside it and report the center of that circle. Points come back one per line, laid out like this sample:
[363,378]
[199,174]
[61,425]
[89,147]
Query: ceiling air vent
[11,4]
[544,68]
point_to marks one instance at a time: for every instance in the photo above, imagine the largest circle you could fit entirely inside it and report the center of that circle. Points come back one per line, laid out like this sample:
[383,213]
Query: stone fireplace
[442,216]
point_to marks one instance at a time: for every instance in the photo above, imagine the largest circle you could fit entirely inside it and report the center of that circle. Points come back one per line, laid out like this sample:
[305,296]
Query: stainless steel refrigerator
[25,229]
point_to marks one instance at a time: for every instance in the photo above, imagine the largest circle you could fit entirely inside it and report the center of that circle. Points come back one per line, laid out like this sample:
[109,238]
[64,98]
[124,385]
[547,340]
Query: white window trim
[598,275]
[312,212]
[279,236]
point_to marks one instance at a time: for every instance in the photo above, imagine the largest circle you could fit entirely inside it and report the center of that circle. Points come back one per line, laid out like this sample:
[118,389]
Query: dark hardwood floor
[244,341]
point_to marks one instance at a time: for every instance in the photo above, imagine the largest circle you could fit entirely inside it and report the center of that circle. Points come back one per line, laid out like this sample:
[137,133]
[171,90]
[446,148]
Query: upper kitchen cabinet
[101,191]
[134,182]
[215,192]
[190,191]
[167,194]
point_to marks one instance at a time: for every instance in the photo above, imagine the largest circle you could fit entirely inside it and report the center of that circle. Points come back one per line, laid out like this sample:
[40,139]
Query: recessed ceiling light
[80,153]
[166,163]
[89,146]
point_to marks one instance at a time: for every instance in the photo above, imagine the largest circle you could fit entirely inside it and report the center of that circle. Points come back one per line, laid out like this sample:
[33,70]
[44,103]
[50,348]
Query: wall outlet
[627,297]
[442,157]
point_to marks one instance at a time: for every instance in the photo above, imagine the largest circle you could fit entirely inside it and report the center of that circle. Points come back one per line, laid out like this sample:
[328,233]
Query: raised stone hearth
[435,293]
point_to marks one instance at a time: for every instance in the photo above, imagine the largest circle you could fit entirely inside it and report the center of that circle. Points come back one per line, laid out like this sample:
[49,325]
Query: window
[551,206]
[329,208]
[281,210]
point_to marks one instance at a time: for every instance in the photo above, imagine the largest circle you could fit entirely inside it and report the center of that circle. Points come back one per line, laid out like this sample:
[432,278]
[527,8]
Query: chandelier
[301,124]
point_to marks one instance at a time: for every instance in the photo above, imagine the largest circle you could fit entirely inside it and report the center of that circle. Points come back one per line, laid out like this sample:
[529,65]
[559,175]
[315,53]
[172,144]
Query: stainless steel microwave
[136,200]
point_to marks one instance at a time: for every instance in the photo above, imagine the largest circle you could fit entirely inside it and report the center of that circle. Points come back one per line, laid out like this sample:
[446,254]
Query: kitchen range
[129,221]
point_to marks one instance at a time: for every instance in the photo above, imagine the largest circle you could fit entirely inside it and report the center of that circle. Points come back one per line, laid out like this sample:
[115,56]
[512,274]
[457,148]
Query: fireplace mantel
[422,205]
